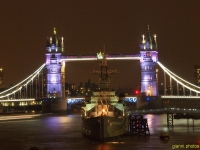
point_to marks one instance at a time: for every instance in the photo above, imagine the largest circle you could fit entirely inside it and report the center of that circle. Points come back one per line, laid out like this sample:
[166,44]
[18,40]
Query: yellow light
[54,31]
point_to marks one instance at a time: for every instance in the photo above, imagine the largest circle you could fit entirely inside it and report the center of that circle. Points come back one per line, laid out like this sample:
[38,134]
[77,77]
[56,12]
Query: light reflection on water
[54,132]
[19,116]
[157,123]
[151,119]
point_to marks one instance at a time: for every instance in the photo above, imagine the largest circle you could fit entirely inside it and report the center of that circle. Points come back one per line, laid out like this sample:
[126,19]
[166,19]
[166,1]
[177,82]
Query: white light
[17,100]
[182,79]
[180,97]
[90,58]
[143,41]
[21,84]
[169,73]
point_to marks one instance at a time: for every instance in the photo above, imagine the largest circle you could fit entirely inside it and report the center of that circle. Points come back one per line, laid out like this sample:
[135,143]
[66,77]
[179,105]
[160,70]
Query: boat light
[103,111]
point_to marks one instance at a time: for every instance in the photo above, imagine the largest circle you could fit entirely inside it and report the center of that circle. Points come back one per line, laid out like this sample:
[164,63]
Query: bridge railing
[180,97]
[166,110]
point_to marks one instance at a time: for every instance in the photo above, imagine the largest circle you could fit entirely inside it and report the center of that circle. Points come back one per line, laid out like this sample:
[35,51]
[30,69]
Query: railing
[178,97]
[166,110]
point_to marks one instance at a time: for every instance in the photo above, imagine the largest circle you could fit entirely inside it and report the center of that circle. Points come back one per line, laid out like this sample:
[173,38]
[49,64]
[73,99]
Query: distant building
[70,89]
[1,78]
[197,75]
[87,88]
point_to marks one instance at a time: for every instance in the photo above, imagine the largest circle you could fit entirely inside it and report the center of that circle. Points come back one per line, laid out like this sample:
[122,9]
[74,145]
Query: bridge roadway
[94,57]
[79,99]
[18,100]
[132,99]
[73,100]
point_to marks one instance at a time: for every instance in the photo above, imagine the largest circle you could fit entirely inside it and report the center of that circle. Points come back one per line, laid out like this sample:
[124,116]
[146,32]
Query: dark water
[53,132]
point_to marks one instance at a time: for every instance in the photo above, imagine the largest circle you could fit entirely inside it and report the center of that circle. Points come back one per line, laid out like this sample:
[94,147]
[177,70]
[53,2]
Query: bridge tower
[55,79]
[148,59]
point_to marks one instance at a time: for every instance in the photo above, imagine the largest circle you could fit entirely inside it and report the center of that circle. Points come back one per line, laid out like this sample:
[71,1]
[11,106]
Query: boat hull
[104,127]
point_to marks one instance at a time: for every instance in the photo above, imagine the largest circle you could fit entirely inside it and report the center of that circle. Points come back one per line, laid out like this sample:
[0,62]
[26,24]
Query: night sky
[87,25]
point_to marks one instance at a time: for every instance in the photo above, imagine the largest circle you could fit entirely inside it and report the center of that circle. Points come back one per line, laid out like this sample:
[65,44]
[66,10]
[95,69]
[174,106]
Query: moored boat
[104,116]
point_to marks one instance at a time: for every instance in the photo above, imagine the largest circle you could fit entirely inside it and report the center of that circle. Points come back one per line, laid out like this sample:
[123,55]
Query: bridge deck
[94,57]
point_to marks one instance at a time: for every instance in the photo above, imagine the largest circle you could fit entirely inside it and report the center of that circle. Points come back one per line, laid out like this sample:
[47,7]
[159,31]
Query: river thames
[62,132]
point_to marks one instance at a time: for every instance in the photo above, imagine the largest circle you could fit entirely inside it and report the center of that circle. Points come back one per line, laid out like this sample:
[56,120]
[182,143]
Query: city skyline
[87,26]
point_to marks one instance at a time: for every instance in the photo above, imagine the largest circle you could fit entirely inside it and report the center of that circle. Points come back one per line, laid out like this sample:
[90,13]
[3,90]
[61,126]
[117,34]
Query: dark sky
[87,24]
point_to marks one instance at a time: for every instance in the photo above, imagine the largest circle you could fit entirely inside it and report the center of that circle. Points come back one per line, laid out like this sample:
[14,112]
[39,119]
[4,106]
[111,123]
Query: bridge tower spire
[55,68]
[148,59]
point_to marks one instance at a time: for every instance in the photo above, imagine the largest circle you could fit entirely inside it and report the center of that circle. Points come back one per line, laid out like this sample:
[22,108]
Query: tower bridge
[51,91]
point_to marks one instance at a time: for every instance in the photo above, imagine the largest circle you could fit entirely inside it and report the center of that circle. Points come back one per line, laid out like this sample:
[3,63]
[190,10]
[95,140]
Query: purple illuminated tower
[148,59]
[55,68]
